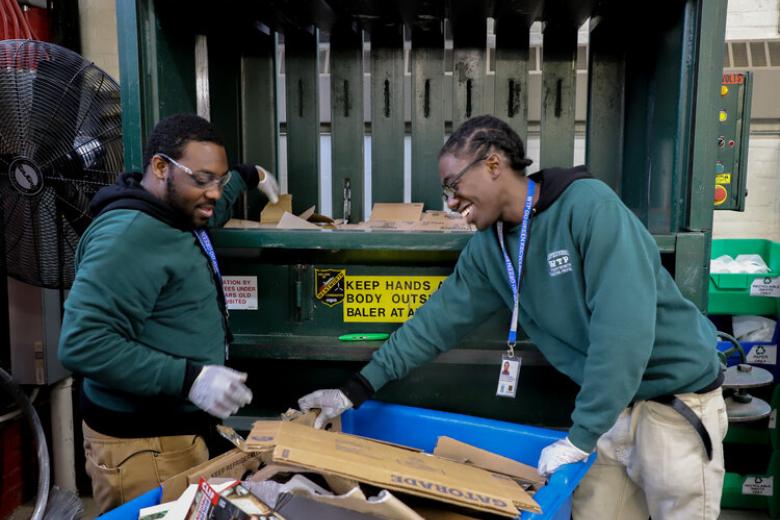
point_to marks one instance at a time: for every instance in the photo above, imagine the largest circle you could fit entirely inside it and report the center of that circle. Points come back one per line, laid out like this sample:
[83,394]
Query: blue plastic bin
[419,428]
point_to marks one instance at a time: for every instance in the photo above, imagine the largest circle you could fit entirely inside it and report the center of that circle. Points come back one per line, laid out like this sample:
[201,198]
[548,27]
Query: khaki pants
[652,463]
[122,469]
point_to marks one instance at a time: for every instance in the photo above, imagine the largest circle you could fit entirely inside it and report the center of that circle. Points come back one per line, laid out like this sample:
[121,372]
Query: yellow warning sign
[723,178]
[386,299]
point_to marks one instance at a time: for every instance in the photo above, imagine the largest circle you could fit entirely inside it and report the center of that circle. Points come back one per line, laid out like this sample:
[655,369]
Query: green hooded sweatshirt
[145,312]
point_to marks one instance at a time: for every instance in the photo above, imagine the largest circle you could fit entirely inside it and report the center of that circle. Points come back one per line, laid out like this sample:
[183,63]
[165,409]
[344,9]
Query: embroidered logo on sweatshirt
[559,262]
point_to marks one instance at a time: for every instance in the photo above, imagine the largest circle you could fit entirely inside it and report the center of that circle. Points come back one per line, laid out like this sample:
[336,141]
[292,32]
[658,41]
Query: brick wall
[752,19]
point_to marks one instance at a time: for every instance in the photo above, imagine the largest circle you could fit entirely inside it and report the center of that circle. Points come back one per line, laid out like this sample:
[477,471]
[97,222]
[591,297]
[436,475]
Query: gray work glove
[268,185]
[331,403]
[220,391]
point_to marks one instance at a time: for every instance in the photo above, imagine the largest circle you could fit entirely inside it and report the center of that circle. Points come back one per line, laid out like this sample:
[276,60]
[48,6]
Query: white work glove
[220,391]
[268,185]
[331,403]
[557,454]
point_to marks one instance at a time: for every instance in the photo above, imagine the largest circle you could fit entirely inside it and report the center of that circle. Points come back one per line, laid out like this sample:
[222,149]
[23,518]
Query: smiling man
[145,323]
[584,279]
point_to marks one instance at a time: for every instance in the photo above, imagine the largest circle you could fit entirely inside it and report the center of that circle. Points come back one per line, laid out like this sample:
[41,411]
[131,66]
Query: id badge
[508,375]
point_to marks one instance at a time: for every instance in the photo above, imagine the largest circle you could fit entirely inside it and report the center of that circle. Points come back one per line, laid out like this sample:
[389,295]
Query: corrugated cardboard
[399,469]
[232,464]
[290,221]
[430,513]
[238,223]
[272,213]
[396,212]
[460,451]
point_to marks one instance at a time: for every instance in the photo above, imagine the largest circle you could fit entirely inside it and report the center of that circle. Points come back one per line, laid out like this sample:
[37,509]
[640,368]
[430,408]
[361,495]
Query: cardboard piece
[307,214]
[308,418]
[460,451]
[263,433]
[409,217]
[396,212]
[290,221]
[232,464]
[272,213]
[238,223]
[399,469]
[430,513]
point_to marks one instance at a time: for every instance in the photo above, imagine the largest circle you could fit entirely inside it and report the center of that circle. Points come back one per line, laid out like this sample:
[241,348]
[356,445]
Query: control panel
[733,136]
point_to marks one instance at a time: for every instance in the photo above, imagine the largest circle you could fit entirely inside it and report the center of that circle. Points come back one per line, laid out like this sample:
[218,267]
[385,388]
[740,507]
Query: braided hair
[481,134]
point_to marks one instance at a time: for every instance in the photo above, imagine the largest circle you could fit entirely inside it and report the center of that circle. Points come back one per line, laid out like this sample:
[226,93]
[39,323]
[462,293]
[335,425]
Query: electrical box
[733,137]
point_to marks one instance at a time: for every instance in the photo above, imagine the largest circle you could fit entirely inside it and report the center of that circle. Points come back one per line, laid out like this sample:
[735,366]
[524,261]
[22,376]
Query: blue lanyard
[514,281]
[205,245]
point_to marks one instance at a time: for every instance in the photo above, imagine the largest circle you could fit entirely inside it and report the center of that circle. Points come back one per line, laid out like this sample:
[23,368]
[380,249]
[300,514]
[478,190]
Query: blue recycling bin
[420,428]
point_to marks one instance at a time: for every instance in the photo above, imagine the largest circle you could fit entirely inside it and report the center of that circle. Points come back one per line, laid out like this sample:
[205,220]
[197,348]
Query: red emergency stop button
[721,194]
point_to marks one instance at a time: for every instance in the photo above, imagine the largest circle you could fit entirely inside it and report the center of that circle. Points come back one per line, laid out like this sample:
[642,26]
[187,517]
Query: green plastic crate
[730,293]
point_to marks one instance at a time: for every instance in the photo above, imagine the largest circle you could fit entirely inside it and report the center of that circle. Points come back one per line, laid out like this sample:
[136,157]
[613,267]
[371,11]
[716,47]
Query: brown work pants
[122,469]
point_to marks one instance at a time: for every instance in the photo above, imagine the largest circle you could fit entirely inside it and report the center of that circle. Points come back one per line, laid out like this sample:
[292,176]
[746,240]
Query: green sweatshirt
[595,299]
[143,302]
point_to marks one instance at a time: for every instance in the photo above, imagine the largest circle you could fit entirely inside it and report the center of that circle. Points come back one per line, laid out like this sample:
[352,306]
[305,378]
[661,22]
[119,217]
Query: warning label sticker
[330,285]
[761,486]
[723,178]
[386,299]
[240,292]
[766,286]
[762,355]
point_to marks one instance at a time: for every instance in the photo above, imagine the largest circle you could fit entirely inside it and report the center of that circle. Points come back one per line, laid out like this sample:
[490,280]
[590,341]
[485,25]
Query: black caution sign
[330,285]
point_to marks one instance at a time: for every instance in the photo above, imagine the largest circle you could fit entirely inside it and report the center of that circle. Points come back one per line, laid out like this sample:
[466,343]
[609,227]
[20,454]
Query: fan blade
[60,142]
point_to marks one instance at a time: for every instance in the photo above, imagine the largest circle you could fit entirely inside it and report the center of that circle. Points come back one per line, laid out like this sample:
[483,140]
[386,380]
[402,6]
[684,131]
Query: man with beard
[145,323]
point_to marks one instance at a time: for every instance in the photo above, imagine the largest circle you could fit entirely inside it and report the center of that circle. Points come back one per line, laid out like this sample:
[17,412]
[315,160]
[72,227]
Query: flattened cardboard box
[400,469]
[247,457]
[460,451]
[396,211]
[232,464]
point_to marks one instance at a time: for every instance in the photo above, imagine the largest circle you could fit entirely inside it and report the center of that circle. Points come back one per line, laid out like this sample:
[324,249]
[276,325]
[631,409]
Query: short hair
[481,134]
[171,135]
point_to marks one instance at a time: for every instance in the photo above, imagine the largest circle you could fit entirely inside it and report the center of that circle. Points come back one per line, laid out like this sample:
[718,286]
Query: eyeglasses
[202,180]
[449,188]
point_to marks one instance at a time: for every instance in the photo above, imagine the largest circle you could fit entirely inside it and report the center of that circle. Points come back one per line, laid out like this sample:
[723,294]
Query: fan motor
[25,177]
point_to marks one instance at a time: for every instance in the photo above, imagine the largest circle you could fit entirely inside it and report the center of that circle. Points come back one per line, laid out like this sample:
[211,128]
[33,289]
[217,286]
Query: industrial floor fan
[60,142]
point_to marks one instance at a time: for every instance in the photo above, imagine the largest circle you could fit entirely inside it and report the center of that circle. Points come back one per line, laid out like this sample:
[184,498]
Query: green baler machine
[414,70]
